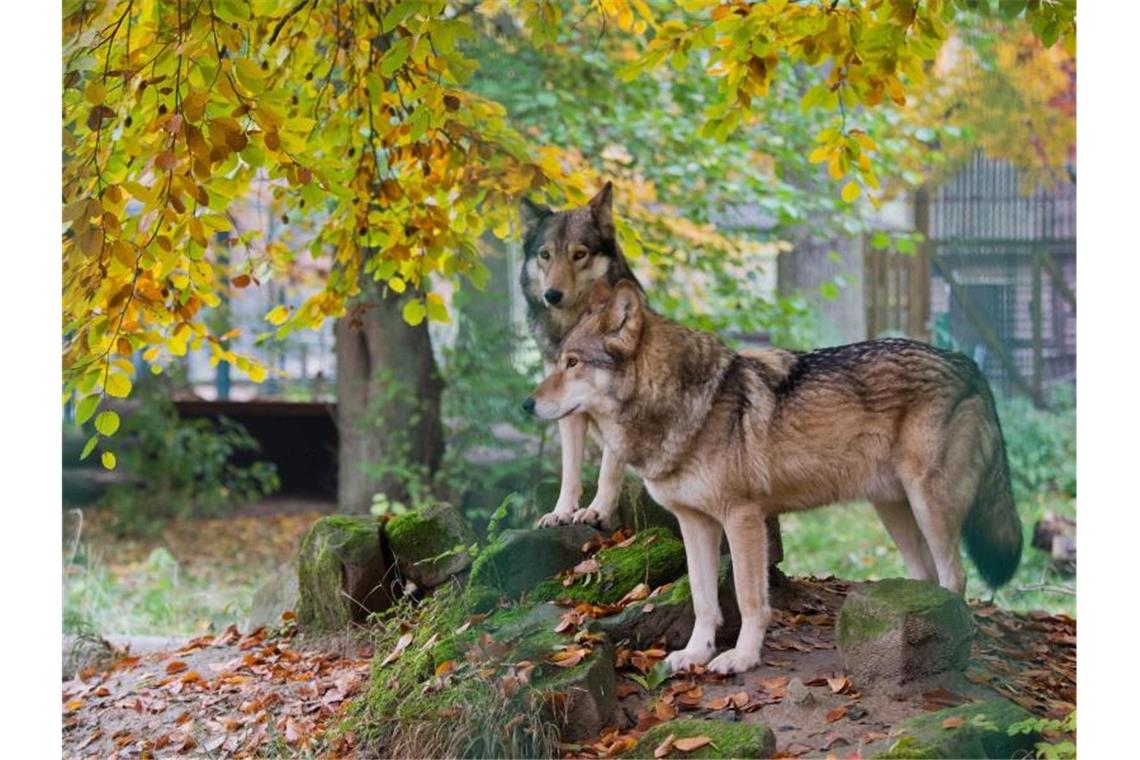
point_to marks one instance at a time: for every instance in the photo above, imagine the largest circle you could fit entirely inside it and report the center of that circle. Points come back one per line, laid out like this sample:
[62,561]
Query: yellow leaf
[277,315]
[118,386]
[107,422]
[819,154]
[95,93]
[257,373]
[108,460]
[851,191]
[397,284]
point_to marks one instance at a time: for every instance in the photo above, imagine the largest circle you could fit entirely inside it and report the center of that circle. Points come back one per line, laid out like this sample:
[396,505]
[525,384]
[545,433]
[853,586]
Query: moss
[983,734]
[655,557]
[882,606]
[728,739]
[333,544]
[518,559]
[424,543]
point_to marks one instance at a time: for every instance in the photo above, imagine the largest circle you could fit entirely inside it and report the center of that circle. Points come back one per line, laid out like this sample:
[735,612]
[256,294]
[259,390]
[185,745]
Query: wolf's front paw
[735,661]
[683,658]
[590,516]
[550,519]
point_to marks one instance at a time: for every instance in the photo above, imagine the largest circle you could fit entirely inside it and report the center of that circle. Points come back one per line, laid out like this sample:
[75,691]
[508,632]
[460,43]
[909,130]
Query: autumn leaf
[401,644]
[836,713]
[665,747]
[175,666]
[953,722]
[692,743]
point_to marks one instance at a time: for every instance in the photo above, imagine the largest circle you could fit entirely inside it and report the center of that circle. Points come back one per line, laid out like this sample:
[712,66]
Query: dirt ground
[270,693]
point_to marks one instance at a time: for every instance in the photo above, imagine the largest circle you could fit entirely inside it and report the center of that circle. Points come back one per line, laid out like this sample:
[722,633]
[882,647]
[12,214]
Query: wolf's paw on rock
[683,658]
[734,661]
[550,519]
[590,516]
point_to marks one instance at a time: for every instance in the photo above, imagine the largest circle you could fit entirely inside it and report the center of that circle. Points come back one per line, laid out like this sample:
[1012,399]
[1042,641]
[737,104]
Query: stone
[901,630]
[423,543]
[342,574]
[799,694]
[277,595]
[518,560]
[729,739]
[984,733]
[654,557]
[669,616]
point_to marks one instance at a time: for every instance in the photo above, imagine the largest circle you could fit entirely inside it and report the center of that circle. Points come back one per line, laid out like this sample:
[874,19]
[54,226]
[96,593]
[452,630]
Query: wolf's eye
[581,253]
[571,362]
[544,254]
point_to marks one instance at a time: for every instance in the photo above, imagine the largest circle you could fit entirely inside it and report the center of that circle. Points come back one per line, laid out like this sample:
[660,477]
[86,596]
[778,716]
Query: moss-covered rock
[430,544]
[341,573]
[984,733]
[669,616]
[900,630]
[519,559]
[655,557]
[729,739]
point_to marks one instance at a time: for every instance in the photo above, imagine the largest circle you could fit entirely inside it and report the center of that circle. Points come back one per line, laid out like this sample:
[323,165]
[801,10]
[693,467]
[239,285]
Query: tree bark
[388,401]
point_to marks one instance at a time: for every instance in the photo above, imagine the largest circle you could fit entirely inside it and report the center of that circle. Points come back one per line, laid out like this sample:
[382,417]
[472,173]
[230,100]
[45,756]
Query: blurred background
[971,246]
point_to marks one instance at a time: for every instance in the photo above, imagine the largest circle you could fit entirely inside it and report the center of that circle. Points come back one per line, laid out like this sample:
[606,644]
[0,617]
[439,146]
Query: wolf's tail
[993,529]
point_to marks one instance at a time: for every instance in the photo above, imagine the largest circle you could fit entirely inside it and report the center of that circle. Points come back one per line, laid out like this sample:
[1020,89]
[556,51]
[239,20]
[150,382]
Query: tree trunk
[388,401]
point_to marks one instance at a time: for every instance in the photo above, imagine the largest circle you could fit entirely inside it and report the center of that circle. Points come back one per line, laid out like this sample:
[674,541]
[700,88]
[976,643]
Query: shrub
[1041,443]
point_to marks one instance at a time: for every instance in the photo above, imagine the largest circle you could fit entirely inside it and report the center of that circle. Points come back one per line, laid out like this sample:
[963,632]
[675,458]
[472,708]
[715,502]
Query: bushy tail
[993,529]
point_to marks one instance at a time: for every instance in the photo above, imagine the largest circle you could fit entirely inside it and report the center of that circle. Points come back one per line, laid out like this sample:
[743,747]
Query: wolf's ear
[531,214]
[602,207]
[624,318]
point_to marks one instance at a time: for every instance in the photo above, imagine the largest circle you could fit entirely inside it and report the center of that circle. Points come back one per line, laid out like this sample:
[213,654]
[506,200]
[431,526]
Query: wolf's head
[594,355]
[566,252]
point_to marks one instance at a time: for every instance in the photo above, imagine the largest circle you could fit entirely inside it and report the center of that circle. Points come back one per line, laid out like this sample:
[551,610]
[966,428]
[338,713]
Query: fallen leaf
[953,722]
[692,743]
[838,684]
[175,666]
[836,714]
[401,645]
[665,747]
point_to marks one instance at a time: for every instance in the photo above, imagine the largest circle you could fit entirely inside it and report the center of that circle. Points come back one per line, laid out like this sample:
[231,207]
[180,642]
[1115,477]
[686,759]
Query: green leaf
[395,57]
[829,290]
[86,408]
[880,241]
[414,312]
[108,460]
[89,447]
[107,422]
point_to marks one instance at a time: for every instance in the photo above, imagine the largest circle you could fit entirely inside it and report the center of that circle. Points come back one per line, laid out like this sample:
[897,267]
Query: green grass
[850,542]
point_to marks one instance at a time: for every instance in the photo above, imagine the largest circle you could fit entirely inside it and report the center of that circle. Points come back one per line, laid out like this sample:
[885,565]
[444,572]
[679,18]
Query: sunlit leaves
[107,423]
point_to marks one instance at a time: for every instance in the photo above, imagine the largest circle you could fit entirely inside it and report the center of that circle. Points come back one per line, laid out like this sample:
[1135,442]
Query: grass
[851,542]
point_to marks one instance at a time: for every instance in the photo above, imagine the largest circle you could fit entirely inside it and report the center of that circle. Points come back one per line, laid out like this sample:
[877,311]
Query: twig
[1046,588]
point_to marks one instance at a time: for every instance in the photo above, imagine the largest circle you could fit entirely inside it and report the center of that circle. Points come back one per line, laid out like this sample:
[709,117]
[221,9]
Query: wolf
[564,254]
[724,439]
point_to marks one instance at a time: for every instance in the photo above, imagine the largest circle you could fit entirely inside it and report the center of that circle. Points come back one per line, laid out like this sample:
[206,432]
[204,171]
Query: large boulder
[518,560]
[653,557]
[979,730]
[430,544]
[900,630]
[728,739]
[342,574]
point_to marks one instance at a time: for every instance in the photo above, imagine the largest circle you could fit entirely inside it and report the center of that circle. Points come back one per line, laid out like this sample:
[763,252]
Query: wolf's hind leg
[701,535]
[900,523]
[748,542]
[572,432]
[936,517]
[602,508]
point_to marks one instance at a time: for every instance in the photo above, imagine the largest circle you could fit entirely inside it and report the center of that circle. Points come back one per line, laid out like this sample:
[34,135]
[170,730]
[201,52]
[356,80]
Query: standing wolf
[724,439]
[565,254]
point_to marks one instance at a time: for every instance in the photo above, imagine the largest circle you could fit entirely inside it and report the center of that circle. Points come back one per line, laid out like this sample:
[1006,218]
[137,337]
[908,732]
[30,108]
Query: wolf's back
[992,529]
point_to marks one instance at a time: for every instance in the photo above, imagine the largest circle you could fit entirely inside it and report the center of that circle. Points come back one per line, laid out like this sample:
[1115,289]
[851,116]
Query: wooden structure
[994,278]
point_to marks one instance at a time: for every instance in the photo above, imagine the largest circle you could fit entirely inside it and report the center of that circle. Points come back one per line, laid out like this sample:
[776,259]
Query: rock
[341,573]
[655,557]
[519,559]
[900,630]
[799,694]
[278,594]
[729,739]
[423,542]
[669,616]
[984,733]
[636,510]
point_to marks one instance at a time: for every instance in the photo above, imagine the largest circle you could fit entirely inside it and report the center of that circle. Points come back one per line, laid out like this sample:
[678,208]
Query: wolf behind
[724,439]
[564,254]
